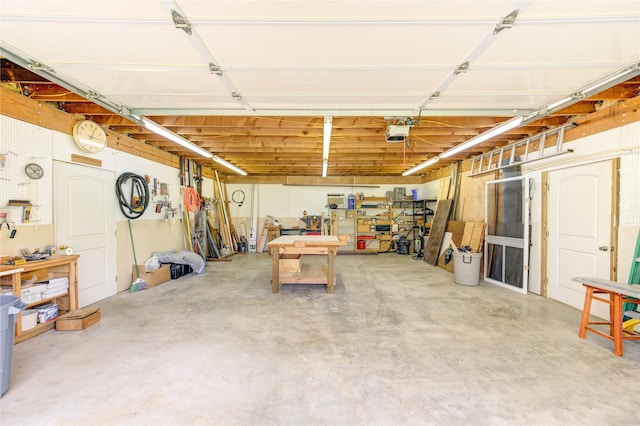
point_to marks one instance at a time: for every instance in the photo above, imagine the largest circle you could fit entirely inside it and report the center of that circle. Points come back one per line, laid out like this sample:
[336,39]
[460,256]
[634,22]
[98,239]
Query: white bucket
[466,268]
[29,319]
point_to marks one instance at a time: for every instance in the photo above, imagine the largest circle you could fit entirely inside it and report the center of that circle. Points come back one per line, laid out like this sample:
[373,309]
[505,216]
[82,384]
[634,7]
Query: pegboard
[20,144]
[630,176]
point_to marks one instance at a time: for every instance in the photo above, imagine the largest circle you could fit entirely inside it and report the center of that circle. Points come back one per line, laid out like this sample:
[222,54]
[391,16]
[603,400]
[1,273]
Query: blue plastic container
[351,202]
[7,331]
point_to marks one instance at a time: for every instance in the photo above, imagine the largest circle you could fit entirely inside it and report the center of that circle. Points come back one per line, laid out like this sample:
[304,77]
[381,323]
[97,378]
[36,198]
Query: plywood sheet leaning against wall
[463,234]
[434,242]
[471,196]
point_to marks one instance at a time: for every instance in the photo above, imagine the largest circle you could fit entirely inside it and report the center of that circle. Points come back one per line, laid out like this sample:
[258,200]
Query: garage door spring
[138,201]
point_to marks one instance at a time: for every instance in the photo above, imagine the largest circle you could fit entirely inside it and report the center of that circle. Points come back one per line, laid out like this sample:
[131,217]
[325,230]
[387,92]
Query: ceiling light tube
[325,166]
[611,81]
[159,130]
[562,103]
[421,166]
[326,141]
[495,131]
[229,165]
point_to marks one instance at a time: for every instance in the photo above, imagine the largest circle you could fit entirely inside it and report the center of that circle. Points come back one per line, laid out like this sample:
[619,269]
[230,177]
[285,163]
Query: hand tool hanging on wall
[199,178]
[182,177]
[191,172]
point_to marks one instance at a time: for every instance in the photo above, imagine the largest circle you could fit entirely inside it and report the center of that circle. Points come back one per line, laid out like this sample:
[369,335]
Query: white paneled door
[84,218]
[579,231]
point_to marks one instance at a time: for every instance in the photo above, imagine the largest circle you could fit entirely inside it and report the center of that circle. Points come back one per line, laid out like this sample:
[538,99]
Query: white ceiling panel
[114,83]
[571,9]
[70,10]
[418,82]
[104,43]
[333,45]
[334,103]
[344,10]
[565,43]
[158,101]
[552,81]
[327,54]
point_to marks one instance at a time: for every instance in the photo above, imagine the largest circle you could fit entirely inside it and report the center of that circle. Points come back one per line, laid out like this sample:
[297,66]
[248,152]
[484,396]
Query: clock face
[34,171]
[89,136]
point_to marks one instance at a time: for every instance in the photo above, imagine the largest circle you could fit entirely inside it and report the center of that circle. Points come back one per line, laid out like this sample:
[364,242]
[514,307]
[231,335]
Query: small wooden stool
[618,294]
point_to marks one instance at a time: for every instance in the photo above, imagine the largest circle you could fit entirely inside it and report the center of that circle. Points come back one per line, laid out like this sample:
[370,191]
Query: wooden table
[618,294]
[40,269]
[302,245]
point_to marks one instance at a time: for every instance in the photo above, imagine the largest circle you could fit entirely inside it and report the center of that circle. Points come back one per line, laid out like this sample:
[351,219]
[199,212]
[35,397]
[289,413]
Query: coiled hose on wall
[138,201]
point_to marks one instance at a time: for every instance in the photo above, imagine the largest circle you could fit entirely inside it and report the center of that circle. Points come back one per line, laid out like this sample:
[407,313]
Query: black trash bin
[9,307]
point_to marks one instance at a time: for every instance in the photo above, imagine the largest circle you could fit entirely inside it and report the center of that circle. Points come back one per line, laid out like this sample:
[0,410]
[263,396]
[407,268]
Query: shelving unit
[373,225]
[40,269]
[343,222]
[410,218]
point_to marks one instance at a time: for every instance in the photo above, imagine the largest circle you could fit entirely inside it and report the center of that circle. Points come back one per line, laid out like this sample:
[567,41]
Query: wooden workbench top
[306,240]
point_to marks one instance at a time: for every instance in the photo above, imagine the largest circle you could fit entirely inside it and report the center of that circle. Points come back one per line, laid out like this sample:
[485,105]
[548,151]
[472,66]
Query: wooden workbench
[302,245]
[618,293]
[40,269]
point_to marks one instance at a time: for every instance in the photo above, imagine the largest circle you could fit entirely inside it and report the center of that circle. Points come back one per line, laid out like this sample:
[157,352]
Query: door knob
[603,248]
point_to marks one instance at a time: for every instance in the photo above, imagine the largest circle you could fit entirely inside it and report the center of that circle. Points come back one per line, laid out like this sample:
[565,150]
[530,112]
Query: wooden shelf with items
[343,222]
[41,270]
[373,225]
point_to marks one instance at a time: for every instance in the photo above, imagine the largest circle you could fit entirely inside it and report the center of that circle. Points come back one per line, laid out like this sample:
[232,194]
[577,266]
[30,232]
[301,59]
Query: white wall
[31,143]
[622,142]
[287,203]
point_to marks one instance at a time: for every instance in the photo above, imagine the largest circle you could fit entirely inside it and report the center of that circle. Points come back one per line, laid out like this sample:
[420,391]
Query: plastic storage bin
[8,310]
[466,268]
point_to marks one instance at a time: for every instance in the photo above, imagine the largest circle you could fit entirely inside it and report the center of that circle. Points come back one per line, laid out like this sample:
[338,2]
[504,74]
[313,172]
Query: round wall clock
[89,136]
[34,171]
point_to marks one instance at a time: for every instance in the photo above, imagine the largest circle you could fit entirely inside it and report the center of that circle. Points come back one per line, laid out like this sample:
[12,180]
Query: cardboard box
[273,232]
[152,278]
[364,228]
[78,319]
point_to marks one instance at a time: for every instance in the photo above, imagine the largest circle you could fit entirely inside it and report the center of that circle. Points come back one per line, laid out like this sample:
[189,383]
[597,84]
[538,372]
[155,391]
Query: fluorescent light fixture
[421,166]
[326,141]
[495,131]
[229,165]
[562,103]
[612,80]
[159,130]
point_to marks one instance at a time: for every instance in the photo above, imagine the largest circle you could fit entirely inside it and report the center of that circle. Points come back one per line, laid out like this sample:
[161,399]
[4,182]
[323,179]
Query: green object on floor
[634,277]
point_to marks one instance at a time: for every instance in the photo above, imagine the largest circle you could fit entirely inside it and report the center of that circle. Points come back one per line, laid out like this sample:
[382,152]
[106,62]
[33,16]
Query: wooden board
[436,233]
[78,319]
[456,228]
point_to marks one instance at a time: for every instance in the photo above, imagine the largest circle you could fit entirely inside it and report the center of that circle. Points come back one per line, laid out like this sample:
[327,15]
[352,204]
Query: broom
[138,283]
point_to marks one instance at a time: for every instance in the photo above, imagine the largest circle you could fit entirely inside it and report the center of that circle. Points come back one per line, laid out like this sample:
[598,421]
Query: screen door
[506,246]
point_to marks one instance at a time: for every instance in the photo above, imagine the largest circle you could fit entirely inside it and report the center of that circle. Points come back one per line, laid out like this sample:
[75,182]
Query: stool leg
[616,324]
[586,311]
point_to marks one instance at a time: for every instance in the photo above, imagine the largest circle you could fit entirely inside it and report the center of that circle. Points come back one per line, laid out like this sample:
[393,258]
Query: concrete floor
[397,344]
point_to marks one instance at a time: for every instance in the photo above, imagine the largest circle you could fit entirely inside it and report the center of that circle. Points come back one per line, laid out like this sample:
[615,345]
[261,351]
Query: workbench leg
[616,323]
[275,281]
[331,276]
[586,312]
[73,285]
